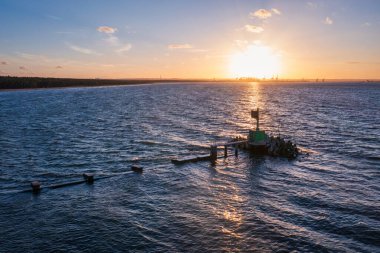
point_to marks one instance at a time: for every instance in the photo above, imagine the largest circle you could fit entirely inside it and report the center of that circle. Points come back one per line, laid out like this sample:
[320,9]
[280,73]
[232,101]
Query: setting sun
[255,61]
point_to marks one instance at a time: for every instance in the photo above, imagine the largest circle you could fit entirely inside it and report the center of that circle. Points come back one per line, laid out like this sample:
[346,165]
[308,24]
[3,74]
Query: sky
[332,39]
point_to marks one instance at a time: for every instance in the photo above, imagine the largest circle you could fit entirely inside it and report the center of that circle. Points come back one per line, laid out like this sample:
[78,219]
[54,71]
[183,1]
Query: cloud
[366,24]
[353,62]
[63,32]
[124,49]
[261,13]
[253,29]
[38,58]
[312,5]
[83,50]
[198,50]
[30,56]
[53,17]
[59,67]
[22,68]
[179,46]
[107,65]
[4,63]
[112,40]
[106,29]
[328,21]
[276,11]
[241,43]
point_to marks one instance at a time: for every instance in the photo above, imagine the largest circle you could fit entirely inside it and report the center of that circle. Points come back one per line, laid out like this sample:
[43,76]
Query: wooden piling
[213,152]
[225,150]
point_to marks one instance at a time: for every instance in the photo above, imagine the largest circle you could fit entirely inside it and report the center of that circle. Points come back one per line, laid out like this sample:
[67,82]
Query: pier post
[213,152]
[236,151]
[225,150]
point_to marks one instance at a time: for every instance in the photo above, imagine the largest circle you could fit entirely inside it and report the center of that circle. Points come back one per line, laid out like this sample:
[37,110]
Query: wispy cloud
[124,49]
[366,24]
[198,50]
[82,50]
[112,40]
[179,46]
[363,62]
[276,11]
[4,63]
[28,56]
[253,29]
[328,21]
[53,17]
[241,43]
[22,68]
[106,29]
[59,67]
[311,5]
[38,58]
[107,65]
[261,13]
[63,32]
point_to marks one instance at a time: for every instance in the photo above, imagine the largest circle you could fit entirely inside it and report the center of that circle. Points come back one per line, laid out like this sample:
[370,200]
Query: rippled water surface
[328,201]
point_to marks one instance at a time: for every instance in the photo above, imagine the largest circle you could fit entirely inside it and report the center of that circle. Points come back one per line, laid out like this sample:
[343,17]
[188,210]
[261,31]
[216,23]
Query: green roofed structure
[257,139]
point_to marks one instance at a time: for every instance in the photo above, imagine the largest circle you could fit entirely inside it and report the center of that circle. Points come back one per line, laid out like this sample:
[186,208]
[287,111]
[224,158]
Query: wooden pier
[213,156]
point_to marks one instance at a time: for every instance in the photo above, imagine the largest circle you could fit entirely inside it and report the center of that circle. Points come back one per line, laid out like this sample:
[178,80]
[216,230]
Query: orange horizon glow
[191,40]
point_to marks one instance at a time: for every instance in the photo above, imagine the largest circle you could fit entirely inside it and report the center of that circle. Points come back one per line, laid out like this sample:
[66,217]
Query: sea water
[326,200]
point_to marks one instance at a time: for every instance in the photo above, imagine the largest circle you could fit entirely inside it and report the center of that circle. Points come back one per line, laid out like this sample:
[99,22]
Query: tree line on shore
[11,82]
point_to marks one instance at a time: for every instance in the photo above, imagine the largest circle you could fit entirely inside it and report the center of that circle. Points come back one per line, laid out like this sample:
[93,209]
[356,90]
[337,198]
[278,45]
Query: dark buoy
[89,178]
[137,169]
[36,186]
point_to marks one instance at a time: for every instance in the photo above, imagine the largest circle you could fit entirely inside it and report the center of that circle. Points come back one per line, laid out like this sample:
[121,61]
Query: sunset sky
[190,38]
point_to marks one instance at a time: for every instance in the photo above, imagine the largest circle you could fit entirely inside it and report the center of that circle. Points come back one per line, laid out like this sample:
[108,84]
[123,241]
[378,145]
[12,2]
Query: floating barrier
[88,178]
[36,186]
[137,169]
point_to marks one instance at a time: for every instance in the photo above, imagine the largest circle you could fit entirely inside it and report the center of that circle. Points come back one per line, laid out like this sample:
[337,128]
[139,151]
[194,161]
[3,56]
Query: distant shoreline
[9,83]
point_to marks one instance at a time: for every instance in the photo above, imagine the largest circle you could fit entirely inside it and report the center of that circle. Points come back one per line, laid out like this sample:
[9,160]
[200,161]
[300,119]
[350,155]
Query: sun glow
[255,61]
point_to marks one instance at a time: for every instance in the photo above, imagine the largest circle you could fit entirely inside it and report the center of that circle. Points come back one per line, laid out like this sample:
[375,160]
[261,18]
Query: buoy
[137,169]
[36,186]
[89,178]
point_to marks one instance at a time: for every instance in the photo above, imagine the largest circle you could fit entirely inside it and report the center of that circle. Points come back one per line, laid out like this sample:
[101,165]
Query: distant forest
[10,82]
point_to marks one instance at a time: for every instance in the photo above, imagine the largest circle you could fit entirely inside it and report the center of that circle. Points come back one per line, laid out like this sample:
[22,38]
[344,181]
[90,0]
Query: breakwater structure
[257,142]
